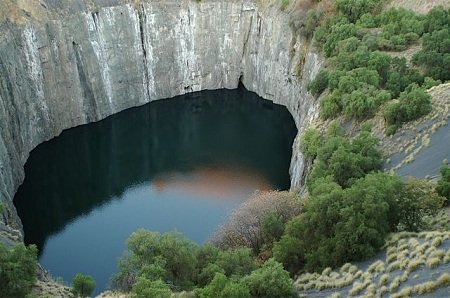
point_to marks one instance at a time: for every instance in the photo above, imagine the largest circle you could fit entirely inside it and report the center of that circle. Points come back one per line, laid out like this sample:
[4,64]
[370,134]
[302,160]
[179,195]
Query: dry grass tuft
[394,285]
[433,262]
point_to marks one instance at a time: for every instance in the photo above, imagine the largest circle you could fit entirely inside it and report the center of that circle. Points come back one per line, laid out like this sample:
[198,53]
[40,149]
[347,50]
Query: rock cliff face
[92,62]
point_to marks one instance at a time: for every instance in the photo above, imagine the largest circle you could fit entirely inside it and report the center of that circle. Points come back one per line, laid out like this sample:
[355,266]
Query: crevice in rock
[89,104]
[142,22]
[95,19]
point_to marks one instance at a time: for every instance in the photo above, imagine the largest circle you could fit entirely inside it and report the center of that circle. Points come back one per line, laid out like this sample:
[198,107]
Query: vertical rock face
[86,66]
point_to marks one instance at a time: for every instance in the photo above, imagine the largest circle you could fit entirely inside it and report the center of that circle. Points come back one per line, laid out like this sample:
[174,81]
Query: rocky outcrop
[94,61]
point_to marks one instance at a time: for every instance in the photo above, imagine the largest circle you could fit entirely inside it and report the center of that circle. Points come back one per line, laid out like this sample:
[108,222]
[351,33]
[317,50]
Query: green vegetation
[345,160]
[147,288]
[361,79]
[435,53]
[351,207]
[443,185]
[413,103]
[83,285]
[158,264]
[265,215]
[284,4]
[17,270]
[354,9]
[310,142]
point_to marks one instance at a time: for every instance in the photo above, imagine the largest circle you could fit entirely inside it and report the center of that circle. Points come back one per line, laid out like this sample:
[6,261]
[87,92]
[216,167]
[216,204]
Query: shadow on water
[203,153]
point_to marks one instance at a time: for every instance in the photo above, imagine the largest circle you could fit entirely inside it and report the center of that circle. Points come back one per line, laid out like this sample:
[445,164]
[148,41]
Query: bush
[83,285]
[245,227]
[271,280]
[430,82]
[435,55]
[170,257]
[146,288]
[223,287]
[400,27]
[17,270]
[437,19]
[342,225]
[418,199]
[310,142]
[354,9]
[319,84]
[236,262]
[413,103]
[330,106]
[443,185]
[284,4]
[340,31]
[311,22]
[344,160]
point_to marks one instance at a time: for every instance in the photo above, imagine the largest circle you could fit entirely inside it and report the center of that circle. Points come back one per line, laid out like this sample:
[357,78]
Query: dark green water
[181,163]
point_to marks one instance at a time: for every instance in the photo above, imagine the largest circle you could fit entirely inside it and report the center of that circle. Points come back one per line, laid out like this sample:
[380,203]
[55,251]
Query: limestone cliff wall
[93,62]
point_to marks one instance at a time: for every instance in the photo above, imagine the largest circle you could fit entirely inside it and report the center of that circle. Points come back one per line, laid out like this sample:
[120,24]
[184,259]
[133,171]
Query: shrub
[236,262]
[284,4]
[310,142]
[271,280]
[354,9]
[170,256]
[223,287]
[17,270]
[418,200]
[413,103]
[399,27]
[330,106]
[339,31]
[430,82]
[435,55]
[83,285]
[245,226]
[443,185]
[147,288]
[437,19]
[319,84]
[345,160]
[358,216]
[312,20]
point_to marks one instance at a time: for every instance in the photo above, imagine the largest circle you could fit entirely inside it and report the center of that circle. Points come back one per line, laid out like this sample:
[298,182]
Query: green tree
[346,160]
[443,185]
[330,105]
[354,9]
[310,142]
[236,262]
[339,31]
[271,280]
[83,285]
[342,225]
[413,103]
[418,199]
[145,288]
[435,54]
[437,19]
[17,270]
[319,84]
[223,287]
[170,257]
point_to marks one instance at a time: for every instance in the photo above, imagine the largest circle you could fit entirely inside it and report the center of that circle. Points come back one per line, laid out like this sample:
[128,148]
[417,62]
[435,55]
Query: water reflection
[214,182]
[180,163]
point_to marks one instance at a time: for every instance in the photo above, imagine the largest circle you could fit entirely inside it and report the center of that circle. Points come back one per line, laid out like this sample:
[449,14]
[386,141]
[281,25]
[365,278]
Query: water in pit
[181,163]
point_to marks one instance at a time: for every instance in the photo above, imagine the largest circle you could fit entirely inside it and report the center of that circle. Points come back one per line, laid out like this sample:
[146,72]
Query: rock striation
[93,58]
